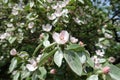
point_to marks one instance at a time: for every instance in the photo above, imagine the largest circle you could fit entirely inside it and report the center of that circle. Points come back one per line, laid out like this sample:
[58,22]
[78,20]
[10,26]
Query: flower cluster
[59,11]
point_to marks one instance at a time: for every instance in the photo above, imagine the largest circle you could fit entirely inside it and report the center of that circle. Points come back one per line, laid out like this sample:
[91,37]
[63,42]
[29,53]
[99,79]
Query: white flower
[32,66]
[73,39]
[96,61]
[15,12]
[9,25]
[4,36]
[47,27]
[31,25]
[58,12]
[108,35]
[13,52]
[52,16]
[100,53]
[38,58]
[61,38]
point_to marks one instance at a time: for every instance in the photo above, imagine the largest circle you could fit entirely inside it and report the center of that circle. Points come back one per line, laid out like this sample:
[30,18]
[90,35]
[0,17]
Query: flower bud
[111,59]
[81,44]
[53,71]
[13,52]
[106,70]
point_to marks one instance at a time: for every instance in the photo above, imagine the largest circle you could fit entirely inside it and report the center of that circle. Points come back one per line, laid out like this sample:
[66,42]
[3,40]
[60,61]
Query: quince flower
[73,39]
[100,53]
[61,38]
[13,52]
[32,66]
[31,25]
[47,27]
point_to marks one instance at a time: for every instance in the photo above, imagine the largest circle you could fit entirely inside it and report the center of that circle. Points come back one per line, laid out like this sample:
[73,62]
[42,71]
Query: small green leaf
[34,76]
[90,62]
[58,56]
[11,39]
[31,4]
[82,57]
[73,61]
[13,65]
[25,74]
[16,76]
[75,47]
[81,1]
[43,74]
[93,77]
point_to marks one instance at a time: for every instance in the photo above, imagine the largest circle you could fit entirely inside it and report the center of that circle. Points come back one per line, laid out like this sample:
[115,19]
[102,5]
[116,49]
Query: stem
[36,50]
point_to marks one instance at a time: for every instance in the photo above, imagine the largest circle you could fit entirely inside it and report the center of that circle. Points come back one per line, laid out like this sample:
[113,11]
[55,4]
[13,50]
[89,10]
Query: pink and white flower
[32,66]
[73,39]
[47,27]
[61,38]
[100,53]
[31,25]
[13,52]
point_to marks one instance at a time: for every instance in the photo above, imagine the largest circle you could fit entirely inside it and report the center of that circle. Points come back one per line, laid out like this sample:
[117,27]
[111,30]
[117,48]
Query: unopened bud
[13,52]
[106,70]
[53,71]
[111,59]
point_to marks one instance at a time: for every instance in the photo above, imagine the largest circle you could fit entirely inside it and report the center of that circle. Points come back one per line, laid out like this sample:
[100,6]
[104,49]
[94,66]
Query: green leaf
[31,4]
[81,1]
[45,56]
[13,65]
[48,47]
[11,39]
[34,76]
[73,61]
[25,74]
[16,76]
[76,47]
[43,74]
[82,57]
[90,62]
[58,56]
[93,77]
[114,72]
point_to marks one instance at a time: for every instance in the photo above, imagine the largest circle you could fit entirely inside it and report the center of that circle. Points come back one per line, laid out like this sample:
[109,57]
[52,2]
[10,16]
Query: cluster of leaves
[42,56]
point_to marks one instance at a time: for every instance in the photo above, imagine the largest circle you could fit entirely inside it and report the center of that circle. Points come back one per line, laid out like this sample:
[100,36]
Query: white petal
[73,39]
[52,16]
[47,27]
[31,67]
[65,35]
[13,52]
[56,37]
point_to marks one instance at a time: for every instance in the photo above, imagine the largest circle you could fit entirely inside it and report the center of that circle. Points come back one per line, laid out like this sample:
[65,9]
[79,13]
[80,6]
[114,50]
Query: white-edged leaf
[114,72]
[43,74]
[93,77]
[58,56]
[73,61]
[82,57]
[13,64]
[81,1]
[16,76]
